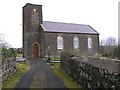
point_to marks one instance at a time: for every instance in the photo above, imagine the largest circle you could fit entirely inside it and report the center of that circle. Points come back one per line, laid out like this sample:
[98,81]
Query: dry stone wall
[8,67]
[93,73]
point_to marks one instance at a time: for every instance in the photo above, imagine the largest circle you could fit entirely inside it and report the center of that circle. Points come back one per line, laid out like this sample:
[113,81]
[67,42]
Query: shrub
[67,54]
[115,53]
[7,53]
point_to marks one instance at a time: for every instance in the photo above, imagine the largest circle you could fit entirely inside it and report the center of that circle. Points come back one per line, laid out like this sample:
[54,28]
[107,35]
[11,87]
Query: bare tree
[1,40]
[110,41]
[108,47]
[3,43]
[102,42]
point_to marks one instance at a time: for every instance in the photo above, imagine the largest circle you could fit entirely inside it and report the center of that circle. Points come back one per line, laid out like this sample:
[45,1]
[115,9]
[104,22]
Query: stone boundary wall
[8,67]
[92,75]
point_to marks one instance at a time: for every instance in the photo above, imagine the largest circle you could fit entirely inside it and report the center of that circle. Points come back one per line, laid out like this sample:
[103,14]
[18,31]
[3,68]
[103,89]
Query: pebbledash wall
[93,73]
[51,41]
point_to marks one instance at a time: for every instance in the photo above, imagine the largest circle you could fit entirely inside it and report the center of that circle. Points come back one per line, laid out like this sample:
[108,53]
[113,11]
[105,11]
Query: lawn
[19,55]
[56,59]
[13,79]
[68,81]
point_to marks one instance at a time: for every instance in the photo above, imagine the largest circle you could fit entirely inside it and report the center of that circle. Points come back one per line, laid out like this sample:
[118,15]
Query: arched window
[89,42]
[59,42]
[75,42]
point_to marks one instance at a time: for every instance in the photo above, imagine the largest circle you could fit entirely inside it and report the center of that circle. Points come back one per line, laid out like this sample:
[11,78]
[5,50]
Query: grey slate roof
[68,28]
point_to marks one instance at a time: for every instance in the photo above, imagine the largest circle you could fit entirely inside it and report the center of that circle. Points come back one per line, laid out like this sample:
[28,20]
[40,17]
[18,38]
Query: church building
[43,38]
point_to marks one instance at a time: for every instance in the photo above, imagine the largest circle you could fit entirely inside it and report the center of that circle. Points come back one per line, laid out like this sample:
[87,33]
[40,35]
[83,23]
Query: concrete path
[40,75]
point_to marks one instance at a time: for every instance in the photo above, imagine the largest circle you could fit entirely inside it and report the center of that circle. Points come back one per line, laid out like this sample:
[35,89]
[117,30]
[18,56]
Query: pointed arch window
[75,42]
[59,42]
[89,42]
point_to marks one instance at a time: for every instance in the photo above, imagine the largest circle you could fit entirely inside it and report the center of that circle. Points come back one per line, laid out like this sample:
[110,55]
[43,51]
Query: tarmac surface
[40,75]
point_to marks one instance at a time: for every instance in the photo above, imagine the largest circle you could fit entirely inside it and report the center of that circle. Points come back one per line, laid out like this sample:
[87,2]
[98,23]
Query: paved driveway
[40,75]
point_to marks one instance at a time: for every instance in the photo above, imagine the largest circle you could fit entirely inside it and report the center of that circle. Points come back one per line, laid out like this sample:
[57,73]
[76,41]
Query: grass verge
[13,79]
[68,81]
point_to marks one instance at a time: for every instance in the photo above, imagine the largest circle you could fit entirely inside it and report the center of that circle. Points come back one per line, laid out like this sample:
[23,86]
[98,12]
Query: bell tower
[32,18]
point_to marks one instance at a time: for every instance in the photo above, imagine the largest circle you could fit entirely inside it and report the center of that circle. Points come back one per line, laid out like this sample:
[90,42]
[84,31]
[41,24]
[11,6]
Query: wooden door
[35,51]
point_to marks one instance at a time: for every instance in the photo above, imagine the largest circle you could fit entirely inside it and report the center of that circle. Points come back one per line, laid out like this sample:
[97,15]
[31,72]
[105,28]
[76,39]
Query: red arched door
[35,51]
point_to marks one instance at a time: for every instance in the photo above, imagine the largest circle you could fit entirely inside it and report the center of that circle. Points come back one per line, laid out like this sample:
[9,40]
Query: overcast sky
[102,15]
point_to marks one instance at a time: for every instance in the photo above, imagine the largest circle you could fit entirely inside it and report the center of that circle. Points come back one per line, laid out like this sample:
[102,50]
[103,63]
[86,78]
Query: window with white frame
[89,42]
[59,42]
[75,42]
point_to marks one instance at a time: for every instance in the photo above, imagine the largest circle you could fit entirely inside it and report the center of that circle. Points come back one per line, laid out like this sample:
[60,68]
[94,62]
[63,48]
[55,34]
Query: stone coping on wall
[107,64]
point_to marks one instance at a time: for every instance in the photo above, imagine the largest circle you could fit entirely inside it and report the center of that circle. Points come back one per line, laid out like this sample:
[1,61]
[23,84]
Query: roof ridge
[66,23]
